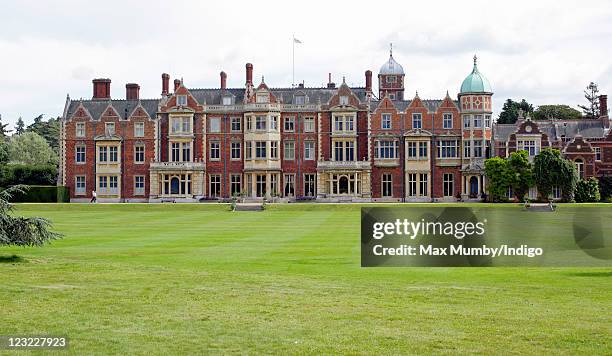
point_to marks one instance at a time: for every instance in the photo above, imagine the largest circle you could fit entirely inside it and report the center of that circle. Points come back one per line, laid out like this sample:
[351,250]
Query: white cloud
[545,51]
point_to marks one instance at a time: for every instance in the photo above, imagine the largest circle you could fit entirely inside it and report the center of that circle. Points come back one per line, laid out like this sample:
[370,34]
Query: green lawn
[177,278]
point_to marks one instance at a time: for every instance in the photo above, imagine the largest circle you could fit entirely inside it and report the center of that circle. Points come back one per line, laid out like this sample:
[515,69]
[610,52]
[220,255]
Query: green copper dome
[476,82]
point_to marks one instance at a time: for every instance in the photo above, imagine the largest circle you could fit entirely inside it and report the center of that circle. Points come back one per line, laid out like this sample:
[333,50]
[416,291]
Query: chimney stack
[603,105]
[368,83]
[177,83]
[223,80]
[165,83]
[132,91]
[249,74]
[101,88]
[330,85]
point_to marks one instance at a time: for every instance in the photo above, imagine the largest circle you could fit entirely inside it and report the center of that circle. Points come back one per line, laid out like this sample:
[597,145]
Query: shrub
[15,174]
[42,194]
[605,188]
[587,191]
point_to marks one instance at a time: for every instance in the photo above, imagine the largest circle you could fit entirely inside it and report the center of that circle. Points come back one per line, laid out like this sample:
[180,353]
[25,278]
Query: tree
[19,230]
[499,176]
[510,111]
[605,187]
[30,148]
[49,130]
[550,170]
[591,94]
[556,112]
[587,191]
[522,173]
[20,126]
[3,129]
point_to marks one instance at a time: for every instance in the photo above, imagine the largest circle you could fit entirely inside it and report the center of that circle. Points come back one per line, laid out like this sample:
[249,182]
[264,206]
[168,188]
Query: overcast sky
[543,51]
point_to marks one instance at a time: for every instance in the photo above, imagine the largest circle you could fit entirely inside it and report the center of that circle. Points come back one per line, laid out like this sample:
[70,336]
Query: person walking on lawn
[94,197]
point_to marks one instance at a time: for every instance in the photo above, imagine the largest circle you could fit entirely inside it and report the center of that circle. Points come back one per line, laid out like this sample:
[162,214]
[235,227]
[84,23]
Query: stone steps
[249,207]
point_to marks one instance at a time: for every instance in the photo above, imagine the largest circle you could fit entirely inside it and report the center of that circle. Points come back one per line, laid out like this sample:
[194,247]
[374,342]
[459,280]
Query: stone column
[268,192]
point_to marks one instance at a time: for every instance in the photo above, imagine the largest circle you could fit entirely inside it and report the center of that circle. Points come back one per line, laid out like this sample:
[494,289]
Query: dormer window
[227,100]
[181,100]
[344,100]
[299,100]
[391,79]
[262,98]
[392,96]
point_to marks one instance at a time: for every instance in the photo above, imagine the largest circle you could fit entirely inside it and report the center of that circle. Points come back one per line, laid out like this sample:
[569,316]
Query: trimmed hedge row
[14,174]
[43,194]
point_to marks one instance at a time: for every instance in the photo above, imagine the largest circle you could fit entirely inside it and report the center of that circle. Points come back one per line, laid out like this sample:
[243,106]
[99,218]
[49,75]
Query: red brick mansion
[332,143]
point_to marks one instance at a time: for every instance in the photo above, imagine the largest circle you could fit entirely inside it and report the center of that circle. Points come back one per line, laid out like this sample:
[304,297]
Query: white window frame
[309,150]
[136,153]
[214,125]
[385,122]
[80,188]
[309,124]
[289,150]
[139,129]
[214,150]
[181,100]
[417,121]
[80,129]
[139,190]
[447,120]
[386,182]
[235,147]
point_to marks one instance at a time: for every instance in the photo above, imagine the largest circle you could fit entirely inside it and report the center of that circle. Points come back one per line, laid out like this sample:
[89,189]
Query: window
[580,168]
[309,185]
[487,121]
[262,98]
[235,150]
[227,100]
[386,121]
[109,128]
[273,183]
[423,149]
[215,124]
[108,184]
[309,150]
[411,149]
[80,187]
[80,154]
[531,146]
[299,100]
[139,129]
[175,151]
[309,125]
[391,79]
[181,100]
[139,185]
[274,149]
[80,129]
[247,150]
[102,154]
[235,184]
[447,121]
[387,185]
[236,124]
[412,184]
[349,123]
[249,123]
[417,121]
[344,151]
[260,123]
[260,149]
[289,185]
[260,185]
[215,185]
[180,125]
[338,151]
[466,121]
[423,185]
[343,123]
[477,121]
[556,192]
[391,96]
[215,150]
[344,100]
[112,154]
[102,184]
[139,153]
[289,150]
[289,124]
[176,184]
[478,149]
[386,149]
[186,148]
[448,183]
[597,153]
[466,149]
[447,149]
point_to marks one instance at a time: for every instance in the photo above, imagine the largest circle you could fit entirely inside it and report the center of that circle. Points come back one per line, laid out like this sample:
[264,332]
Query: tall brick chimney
[368,81]
[330,84]
[101,88]
[223,80]
[165,83]
[249,74]
[177,83]
[603,105]
[132,91]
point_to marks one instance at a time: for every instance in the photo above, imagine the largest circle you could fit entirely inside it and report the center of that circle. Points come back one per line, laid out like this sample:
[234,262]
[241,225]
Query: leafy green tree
[591,94]
[4,155]
[19,230]
[49,130]
[20,126]
[605,187]
[522,172]
[30,148]
[510,111]
[556,112]
[3,129]
[587,191]
[550,169]
[499,177]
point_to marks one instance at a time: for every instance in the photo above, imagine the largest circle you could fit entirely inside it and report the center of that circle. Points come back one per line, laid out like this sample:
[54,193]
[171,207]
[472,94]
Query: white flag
[295,40]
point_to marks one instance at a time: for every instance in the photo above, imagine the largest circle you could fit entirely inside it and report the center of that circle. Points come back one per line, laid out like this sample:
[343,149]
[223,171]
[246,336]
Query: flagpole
[293,63]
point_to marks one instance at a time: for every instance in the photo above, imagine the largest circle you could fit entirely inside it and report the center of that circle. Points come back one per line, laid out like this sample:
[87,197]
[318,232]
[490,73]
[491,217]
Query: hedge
[43,194]
[14,174]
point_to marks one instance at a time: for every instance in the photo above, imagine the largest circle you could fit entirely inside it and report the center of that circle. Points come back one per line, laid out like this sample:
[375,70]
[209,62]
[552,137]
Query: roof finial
[343,80]
[391,49]
[475,59]
[262,78]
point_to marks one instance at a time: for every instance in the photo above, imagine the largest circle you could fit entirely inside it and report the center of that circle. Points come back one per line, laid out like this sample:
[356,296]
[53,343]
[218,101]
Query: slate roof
[556,128]
[123,107]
